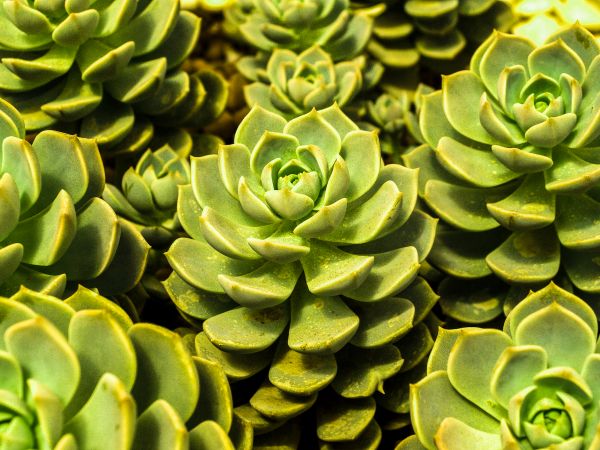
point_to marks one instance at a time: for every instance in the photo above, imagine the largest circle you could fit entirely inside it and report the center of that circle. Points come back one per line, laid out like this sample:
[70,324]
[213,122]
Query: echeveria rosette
[538,19]
[295,224]
[292,84]
[534,385]
[299,24]
[57,381]
[439,34]
[148,194]
[395,115]
[54,226]
[63,61]
[510,163]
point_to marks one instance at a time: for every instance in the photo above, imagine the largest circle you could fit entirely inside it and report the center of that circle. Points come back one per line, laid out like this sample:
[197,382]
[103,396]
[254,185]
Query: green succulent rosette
[54,226]
[148,194]
[533,385]
[538,19]
[439,34]
[395,115]
[311,246]
[291,85]
[65,61]
[511,163]
[139,389]
[298,25]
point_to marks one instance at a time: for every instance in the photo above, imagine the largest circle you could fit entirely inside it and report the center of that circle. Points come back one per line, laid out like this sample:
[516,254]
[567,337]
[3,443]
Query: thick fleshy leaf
[313,129]
[312,329]
[44,355]
[345,271]
[471,366]
[527,257]
[248,133]
[477,301]
[111,400]
[572,213]
[209,435]
[383,322]
[554,59]
[565,337]
[454,435]
[478,167]
[257,329]
[343,419]
[268,285]
[277,405]
[215,402]
[361,152]
[236,366]
[162,358]
[159,426]
[300,373]
[362,371]
[436,389]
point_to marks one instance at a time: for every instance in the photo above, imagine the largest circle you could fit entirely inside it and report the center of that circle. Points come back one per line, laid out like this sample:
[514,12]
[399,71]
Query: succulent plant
[292,85]
[538,19]
[149,193]
[298,223]
[299,24]
[534,385]
[54,227]
[395,115]
[510,163]
[408,32]
[62,390]
[64,61]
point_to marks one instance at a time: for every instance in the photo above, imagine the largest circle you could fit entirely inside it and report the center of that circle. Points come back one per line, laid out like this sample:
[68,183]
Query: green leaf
[99,62]
[478,301]
[383,322]
[255,123]
[361,152]
[112,400]
[109,124]
[10,259]
[55,62]
[277,405]
[94,245]
[480,168]
[138,81]
[344,271]
[554,59]
[268,285]
[461,93]
[552,131]
[456,434]
[256,330]
[45,356]
[159,427]
[529,207]
[463,207]
[215,402]
[9,204]
[301,373]
[313,129]
[570,174]
[471,366]
[343,419]
[162,357]
[392,271]
[84,329]
[209,435]
[527,257]
[583,269]
[363,371]
[76,28]
[320,325]
[272,145]
[572,213]
[564,336]
[236,366]
[183,256]
[47,236]
[58,313]
[523,160]
[436,389]
[162,14]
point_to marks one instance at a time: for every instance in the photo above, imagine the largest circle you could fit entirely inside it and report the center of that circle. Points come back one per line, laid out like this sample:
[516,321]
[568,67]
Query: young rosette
[510,163]
[139,389]
[534,385]
[63,61]
[292,85]
[299,24]
[299,224]
[148,194]
[54,227]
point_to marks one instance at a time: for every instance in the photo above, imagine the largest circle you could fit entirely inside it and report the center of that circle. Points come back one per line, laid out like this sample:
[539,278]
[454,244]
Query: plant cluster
[299,224]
